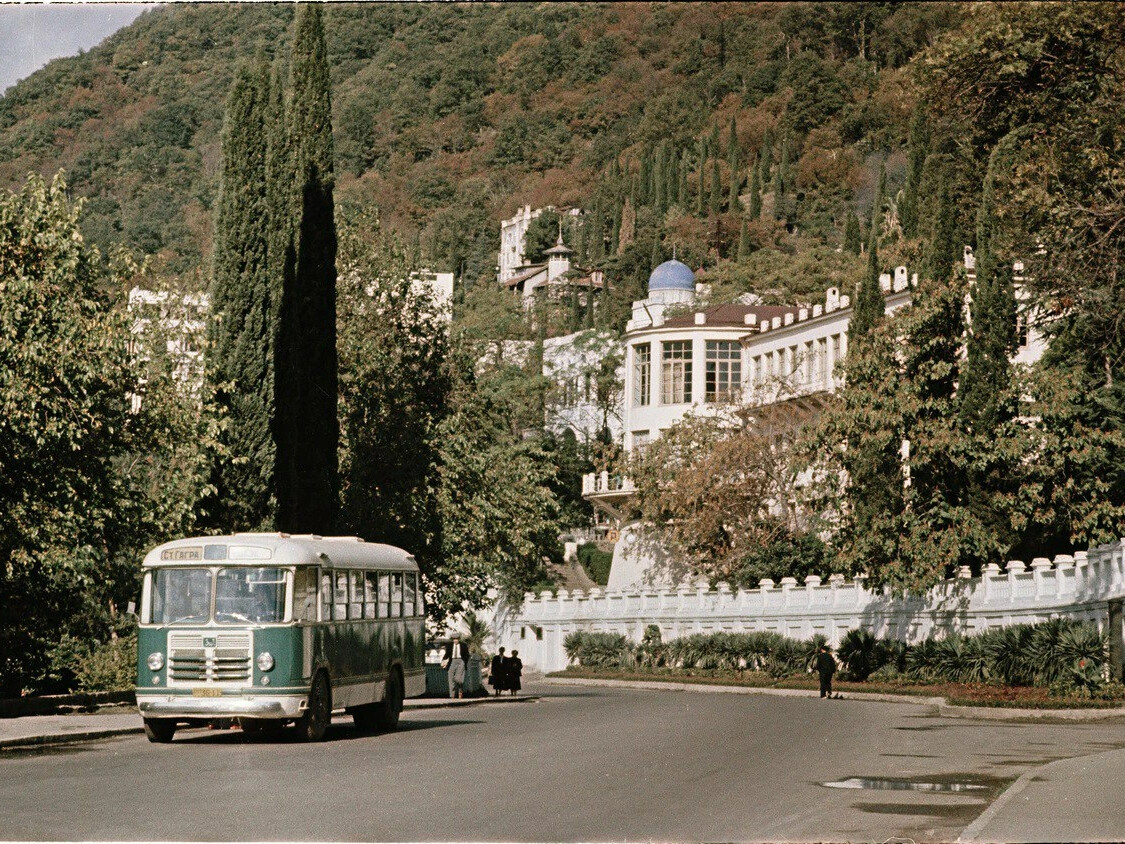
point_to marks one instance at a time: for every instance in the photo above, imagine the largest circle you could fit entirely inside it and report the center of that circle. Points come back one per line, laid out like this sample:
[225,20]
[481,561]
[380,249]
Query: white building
[440,288]
[681,360]
[512,242]
[575,365]
[179,322]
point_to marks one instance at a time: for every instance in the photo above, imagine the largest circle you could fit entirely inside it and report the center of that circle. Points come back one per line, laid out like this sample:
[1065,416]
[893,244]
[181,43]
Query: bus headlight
[265,661]
[155,661]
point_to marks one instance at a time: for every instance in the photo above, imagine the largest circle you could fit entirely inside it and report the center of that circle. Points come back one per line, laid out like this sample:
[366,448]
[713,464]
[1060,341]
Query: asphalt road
[582,764]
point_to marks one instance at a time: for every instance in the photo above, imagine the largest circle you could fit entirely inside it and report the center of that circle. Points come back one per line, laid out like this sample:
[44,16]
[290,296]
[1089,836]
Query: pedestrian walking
[496,673]
[456,660]
[513,669]
[825,667]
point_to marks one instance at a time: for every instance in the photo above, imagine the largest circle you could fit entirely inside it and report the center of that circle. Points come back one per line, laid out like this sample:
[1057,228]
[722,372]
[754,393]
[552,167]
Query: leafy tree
[707,489]
[542,233]
[394,389]
[88,482]
[941,251]
[241,348]
[307,430]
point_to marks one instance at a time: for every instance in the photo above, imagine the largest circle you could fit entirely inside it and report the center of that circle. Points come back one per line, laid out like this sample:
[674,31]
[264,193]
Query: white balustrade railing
[1077,586]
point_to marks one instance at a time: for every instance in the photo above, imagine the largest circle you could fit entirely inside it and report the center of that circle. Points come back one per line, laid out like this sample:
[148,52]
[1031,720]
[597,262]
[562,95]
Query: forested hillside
[448,117]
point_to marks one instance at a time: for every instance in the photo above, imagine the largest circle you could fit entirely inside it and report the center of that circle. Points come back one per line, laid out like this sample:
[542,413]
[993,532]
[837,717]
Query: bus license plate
[206,692]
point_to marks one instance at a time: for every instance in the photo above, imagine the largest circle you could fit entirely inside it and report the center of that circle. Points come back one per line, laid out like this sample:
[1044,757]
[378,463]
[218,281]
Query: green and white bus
[271,628]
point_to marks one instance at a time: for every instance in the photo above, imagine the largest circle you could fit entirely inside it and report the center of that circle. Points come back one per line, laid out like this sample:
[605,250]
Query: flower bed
[956,694]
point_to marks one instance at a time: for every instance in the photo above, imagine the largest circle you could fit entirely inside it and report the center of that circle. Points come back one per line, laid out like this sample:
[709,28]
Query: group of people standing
[505,673]
[504,676]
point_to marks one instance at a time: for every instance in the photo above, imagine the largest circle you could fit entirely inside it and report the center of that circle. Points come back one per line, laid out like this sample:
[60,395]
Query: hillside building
[780,360]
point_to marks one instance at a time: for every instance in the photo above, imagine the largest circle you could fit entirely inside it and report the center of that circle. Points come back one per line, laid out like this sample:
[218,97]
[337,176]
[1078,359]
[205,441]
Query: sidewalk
[34,730]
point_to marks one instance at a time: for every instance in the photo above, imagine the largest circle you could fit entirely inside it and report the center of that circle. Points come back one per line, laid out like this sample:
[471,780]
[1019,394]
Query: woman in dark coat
[496,673]
[513,668]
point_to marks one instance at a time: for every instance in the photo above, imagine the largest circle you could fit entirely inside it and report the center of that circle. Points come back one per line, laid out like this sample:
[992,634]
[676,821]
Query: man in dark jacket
[825,667]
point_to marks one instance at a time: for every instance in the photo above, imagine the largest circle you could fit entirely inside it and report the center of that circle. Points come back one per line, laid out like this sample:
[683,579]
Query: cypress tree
[682,186]
[852,238]
[735,170]
[655,258]
[701,194]
[241,342]
[672,179]
[755,194]
[657,188]
[743,243]
[306,429]
[778,188]
[986,374]
[767,154]
[942,249]
[918,146]
[615,232]
[645,182]
[716,186]
[869,302]
[596,245]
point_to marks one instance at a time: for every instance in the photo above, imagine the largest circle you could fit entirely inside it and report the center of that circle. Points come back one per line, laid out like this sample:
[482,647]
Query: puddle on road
[891,784]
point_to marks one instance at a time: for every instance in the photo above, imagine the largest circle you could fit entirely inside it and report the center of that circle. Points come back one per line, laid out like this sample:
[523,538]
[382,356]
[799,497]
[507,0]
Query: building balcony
[608,492]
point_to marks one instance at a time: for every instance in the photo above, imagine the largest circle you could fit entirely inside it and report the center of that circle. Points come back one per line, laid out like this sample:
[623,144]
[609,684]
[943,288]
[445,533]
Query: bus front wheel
[160,730]
[386,718]
[314,723]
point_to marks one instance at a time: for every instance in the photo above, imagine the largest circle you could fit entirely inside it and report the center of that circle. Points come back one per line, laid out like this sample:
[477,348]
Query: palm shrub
[598,650]
[1009,654]
[757,648]
[652,652]
[859,651]
[921,659]
[1056,646]
[788,656]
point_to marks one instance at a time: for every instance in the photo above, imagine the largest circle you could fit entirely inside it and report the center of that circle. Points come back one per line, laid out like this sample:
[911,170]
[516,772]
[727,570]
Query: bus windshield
[242,595]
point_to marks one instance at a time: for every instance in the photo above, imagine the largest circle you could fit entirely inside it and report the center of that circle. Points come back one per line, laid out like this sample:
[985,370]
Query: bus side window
[370,593]
[396,595]
[355,593]
[326,596]
[384,595]
[304,595]
[340,611]
[408,594]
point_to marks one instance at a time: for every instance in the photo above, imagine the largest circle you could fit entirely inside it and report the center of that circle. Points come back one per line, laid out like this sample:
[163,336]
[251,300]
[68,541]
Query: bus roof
[280,549]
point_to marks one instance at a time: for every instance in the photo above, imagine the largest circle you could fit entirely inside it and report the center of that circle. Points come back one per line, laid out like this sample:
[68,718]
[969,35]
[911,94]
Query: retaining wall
[1079,586]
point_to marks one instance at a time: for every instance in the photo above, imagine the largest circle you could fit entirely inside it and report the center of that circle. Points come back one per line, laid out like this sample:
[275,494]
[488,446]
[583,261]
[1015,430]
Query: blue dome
[672,275]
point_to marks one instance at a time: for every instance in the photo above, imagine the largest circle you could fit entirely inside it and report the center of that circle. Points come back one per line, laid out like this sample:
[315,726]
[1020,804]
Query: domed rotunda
[672,275]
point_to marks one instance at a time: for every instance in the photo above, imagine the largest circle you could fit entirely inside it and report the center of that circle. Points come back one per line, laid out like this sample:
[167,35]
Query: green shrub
[595,561]
[110,666]
[860,653]
[598,650]
[652,652]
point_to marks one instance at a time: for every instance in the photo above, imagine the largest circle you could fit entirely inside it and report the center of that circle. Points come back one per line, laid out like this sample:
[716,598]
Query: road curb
[476,701]
[943,707]
[971,833]
[94,735]
[67,738]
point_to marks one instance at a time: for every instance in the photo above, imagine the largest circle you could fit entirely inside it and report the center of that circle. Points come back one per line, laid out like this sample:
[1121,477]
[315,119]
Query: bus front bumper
[227,706]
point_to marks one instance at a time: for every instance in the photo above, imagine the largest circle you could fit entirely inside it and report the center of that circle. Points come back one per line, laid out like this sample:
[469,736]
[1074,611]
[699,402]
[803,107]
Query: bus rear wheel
[314,723]
[387,712]
[160,730]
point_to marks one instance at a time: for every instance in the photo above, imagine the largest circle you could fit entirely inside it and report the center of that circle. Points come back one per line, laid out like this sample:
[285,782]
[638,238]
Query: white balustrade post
[1014,567]
[1081,572]
[835,581]
[811,582]
[1063,564]
[1039,568]
[990,571]
[787,585]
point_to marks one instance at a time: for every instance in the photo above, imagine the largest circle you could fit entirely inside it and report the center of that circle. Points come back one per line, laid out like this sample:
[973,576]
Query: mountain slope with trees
[448,117]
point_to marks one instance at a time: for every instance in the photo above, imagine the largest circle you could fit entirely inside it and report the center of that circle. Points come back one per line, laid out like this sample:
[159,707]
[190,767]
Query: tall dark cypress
[657,189]
[942,249]
[778,189]
[682,192]
[701,193]
[716,186]
[645,197]
[307,429]
[755,193]
[743,243]
[853,238]
[986,373]
[734,165]
[239,360]
[870,304]
[917,148]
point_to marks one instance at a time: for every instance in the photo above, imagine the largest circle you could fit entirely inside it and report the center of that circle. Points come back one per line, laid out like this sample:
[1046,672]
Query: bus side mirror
[131,609]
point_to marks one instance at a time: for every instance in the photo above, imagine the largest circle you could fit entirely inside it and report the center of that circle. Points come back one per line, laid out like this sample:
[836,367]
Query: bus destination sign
[191,553]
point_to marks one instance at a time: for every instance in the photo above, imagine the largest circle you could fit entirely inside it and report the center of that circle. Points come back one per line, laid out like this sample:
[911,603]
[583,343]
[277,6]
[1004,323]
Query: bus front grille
[217,659]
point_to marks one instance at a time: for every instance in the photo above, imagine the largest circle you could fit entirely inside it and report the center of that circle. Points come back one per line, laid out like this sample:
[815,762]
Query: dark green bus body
[213,669]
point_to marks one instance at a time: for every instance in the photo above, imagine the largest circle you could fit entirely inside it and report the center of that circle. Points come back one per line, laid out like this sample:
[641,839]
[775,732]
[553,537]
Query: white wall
[1077,586]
